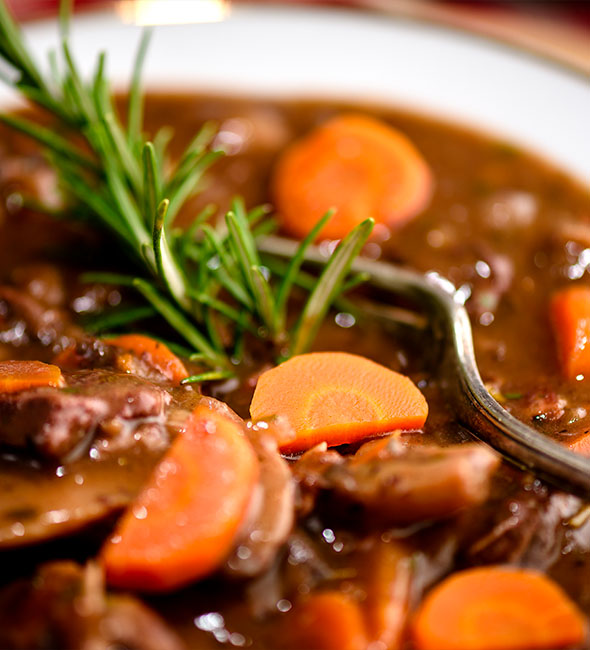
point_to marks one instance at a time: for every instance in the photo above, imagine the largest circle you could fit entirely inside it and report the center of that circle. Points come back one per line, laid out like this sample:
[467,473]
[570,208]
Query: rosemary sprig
[208,282]
[328,287]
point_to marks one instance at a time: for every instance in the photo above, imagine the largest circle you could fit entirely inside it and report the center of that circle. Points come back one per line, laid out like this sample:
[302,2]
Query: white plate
[315,52]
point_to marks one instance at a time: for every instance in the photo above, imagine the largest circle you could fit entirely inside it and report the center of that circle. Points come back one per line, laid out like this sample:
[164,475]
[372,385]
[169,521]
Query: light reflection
[172,12]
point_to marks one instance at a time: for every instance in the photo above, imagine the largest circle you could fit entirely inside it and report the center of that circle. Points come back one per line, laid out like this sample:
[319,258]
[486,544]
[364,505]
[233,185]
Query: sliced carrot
[338,398]
[570,316]
[388,593]
[498,608]
[328,620]
[154,353]
[185,521]
[19,375]
[68,358]
[357,164]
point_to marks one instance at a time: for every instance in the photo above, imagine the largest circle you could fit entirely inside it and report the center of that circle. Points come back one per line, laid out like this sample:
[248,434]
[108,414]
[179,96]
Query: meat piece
[59,422]
[51,421]
[552,533]
[91,353]
[305,566]
[309,472]
[527,527]
[24,319]
[270,525]
[65,606]
[299,569]
[565,247]
[44,282]
[128,623]
[419,483]
[543,406]
[87,353]
[510,525]
[128,397]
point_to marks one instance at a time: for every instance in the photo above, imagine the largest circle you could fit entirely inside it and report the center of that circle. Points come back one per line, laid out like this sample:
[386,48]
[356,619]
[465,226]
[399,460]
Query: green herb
[118,318]
[328,287]
[513,395]
[208,282]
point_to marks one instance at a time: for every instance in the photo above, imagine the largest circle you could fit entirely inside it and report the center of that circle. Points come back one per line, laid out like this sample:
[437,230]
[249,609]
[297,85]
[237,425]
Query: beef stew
[339,547]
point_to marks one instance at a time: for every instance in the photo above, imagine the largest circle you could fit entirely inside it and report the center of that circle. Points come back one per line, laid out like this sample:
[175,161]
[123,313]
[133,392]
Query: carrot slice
[498,608]
[19,375]
[67,358]
[154,353]
[185,521]
[327,620]
[570,315]
[389,588]
[338,398]
[357,164]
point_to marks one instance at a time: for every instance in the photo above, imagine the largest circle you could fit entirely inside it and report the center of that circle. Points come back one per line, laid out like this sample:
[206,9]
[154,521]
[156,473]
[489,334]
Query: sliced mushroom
[39,503]
[272,521]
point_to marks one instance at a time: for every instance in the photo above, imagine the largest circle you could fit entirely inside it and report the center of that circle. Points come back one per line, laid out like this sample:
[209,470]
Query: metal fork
[473,405]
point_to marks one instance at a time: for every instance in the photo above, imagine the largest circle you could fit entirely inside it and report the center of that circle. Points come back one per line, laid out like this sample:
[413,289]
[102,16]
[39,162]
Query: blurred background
[559,29]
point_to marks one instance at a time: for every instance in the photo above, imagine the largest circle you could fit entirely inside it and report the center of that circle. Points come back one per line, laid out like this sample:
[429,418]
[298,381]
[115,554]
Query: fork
[473,405]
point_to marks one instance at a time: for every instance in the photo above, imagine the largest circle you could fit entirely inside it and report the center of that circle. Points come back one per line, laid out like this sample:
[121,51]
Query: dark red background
[567,10]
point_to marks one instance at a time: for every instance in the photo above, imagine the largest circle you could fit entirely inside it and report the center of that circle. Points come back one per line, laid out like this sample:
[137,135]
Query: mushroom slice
[272,515]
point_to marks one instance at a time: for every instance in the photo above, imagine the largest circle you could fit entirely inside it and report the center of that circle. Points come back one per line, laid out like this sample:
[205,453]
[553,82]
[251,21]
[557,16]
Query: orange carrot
[19,375]
[327,620]
[357,164]
[68,358]
[388,593]
[185,521]
[498,608]
[338,398]
[570,315]
[154,353]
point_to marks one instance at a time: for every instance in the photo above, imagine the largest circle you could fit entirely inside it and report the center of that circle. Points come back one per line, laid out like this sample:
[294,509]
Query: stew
[140,512]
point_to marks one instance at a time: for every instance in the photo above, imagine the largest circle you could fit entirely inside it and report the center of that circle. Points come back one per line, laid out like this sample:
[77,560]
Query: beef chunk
[24,319]
[65,606]
[400,486]
[52,421]
[128,397]
[58,422]
[553,532]
[524,525]
[89,353]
